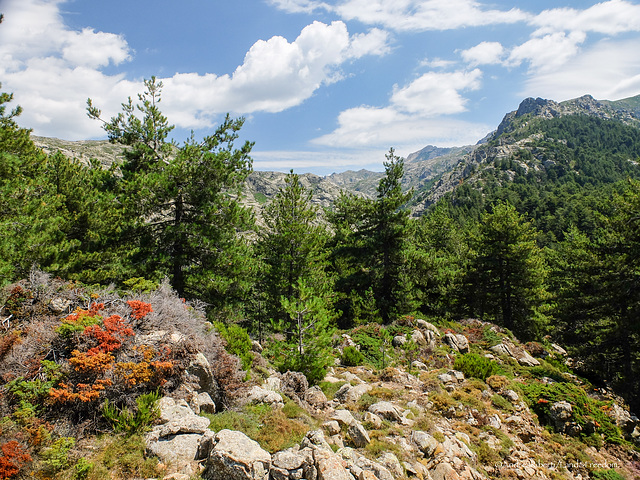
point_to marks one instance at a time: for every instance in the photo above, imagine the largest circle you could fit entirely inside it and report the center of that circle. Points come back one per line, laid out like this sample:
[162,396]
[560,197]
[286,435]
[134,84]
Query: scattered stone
[236,457]
[358,435]
[287,459]
[525,358]
[511,396]
[430,327]
[59,305]
[256,347]
[350,394]
[272,383]
[445,378]
[391,463]
[418,338]
[399,341]
[316,397]
[332,427]
[561,411]
[314,440]
[202,403]
[329,466]
[343,416]
[373,419]
[352,378]
[444,471]
[457,341]
[386,410]
[418,365]
[261,395]
[558,349]
[501,349]
[425,442]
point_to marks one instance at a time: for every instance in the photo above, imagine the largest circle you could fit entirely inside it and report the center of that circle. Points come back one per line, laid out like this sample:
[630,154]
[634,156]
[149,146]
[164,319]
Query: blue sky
[323,85]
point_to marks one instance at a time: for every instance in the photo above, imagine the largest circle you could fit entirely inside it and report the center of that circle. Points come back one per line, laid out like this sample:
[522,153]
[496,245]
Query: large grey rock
[429,327]
[525,358]
[457,341]
[261,395]
[332,427]
[315,440]
[351,394]
[502,349]
[201,368]
[188,424]
[444,471]
[202,403]
[425,442]
[358,435]
[316,397]
[399,341]
[418,338]
[343,416]
[329,466]
[386,410]
[561,411]
[288,459]
[175,449]
[373,419]
[236,457]
[391,463]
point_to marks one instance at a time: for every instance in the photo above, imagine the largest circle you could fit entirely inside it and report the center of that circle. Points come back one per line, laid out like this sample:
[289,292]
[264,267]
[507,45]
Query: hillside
[444,401]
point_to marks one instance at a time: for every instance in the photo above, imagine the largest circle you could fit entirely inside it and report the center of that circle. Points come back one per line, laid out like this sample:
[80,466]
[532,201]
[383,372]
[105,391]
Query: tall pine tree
[185,219]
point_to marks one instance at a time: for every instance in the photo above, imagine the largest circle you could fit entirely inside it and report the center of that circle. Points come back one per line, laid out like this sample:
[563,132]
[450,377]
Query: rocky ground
[405,422]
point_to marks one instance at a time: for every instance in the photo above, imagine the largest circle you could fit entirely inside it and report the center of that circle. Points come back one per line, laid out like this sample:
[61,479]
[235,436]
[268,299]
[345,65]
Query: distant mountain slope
[434,172]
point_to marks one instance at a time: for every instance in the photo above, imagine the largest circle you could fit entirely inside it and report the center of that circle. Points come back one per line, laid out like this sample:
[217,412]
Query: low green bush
[131,422]
[238,342]
[477,366]
[585,409]
[351,357]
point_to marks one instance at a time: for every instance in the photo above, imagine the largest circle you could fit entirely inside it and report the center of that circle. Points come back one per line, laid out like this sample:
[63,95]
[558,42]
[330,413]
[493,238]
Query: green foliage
[56,457]
[140,285]
[238,342]
[477,366]
[508,273]
[180,203]
[272,429]
[133,422]
[351,357]
[82,468]
[330,388]
[68,328]
[123,457]
[585,409]
[309,333]
[374,341]
[502,403]
[370,249]
[609,474]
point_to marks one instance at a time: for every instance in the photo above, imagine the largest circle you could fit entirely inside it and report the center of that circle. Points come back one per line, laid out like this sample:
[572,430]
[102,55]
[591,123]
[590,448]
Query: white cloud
[610,18]
[410,15]
[548,52]
[414,116]
[436,93]
[485,53]
[274,76]
[53,69]
[608,70]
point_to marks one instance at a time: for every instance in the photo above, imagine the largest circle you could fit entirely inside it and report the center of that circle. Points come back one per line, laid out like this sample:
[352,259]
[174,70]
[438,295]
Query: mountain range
[431,172]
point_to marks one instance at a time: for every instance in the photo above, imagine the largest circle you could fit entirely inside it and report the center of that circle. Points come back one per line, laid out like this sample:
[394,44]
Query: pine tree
[508,273]
[370,245]
[292,247]
[182,201]
[309,331]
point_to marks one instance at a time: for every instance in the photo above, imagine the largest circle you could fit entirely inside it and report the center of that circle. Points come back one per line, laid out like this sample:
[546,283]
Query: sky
[323,86]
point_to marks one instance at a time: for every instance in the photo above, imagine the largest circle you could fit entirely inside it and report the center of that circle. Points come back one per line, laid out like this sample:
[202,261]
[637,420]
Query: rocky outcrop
[235,456]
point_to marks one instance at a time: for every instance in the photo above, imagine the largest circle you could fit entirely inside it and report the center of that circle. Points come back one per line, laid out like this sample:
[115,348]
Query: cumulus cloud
[615,77]
[485,53]
[414,114]
[52,70]
[275,75]
[610,18]
[410,15]
[548,52]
